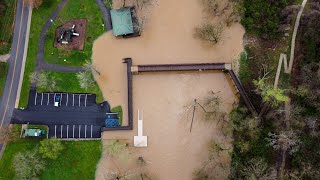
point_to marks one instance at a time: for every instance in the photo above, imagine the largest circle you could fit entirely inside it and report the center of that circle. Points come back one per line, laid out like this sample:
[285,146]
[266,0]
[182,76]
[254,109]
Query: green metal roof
[121,21]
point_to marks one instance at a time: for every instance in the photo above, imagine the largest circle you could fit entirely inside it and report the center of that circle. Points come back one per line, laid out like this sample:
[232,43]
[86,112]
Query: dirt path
[283,57]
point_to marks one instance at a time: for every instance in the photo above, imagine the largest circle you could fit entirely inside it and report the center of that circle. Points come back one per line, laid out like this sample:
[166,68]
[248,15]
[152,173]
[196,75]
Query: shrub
[51,148]
[209,32]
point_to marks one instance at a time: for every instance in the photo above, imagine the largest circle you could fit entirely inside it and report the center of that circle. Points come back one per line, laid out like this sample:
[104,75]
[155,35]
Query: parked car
[57,100]
[34,132]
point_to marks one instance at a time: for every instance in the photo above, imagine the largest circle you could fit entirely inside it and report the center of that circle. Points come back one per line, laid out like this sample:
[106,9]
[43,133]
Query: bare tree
[258,169]
[44,80]
[209,32]
[286,141]
[28,164]
[85,79]
[7,134]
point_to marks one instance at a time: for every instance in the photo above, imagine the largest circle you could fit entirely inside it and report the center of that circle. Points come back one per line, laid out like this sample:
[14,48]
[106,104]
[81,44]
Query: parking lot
[67,99]
[74,131]
[78,115]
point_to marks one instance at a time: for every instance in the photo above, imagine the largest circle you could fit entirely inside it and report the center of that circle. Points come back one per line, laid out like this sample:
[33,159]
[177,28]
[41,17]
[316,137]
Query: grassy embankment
[3,75]
[74,9]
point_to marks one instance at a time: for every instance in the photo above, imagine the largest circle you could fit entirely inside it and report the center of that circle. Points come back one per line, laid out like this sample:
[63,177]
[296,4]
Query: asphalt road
[14,64]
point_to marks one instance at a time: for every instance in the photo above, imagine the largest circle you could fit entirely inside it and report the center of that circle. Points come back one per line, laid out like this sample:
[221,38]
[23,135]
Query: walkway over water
[177,67]
[199,67]
[180,67]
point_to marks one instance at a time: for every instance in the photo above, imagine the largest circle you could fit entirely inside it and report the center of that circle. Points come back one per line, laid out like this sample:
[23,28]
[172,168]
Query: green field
[3,75]
[68,82]
[7,10]
[75,10]
[77,161]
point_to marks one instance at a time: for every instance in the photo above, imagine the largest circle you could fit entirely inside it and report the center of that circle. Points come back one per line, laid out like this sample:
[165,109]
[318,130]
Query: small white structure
[140,140]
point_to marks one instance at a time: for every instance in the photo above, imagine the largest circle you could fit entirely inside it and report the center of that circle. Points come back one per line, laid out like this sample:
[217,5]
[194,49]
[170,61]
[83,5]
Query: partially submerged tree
[88,66]
[215,166]
[209,32]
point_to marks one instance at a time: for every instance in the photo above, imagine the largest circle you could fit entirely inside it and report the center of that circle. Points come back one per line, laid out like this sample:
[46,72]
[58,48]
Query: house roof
[121,21]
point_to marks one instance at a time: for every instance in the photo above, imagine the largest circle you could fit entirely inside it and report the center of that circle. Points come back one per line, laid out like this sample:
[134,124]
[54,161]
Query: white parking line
[85,131]
[79,130]
[91,130]
[73,100]
[55,131]
[41,98]
[67,99]
[85,101]
[79,99]
[48,99]
[35,99]
[54,98]
[60,98]
[61,130]
[73,131]
[67,131]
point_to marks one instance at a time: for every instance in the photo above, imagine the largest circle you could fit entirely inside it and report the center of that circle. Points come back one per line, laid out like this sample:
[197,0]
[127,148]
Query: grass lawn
[77,161]
[7,10]
[39,17]
[118,109]
[3,75]
[75,9]
[68,82]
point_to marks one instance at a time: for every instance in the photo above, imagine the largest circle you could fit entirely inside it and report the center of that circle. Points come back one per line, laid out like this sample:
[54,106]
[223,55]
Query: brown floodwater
[173,152]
